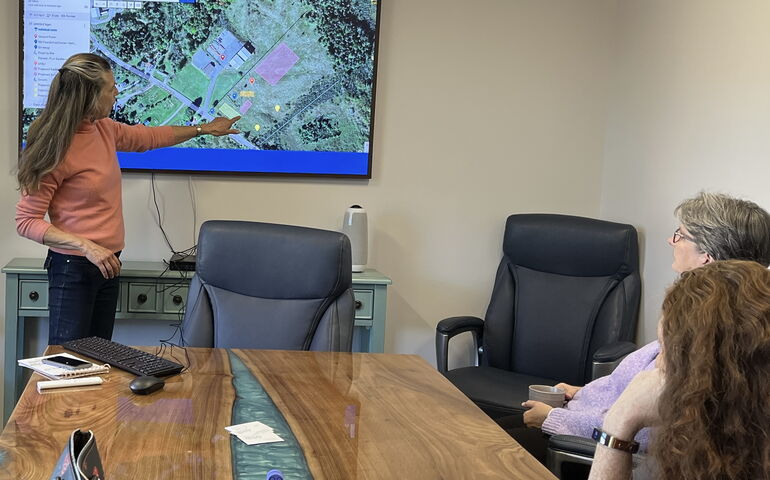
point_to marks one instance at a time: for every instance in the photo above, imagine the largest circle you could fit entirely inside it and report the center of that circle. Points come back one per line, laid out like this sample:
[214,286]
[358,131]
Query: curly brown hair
[716,344]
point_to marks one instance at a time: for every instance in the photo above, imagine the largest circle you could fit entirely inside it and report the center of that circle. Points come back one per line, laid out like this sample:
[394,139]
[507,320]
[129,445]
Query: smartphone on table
[66,362]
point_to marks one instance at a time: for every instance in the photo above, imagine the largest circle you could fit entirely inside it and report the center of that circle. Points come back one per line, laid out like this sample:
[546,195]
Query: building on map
[224,47]
[203,62]
[242,55]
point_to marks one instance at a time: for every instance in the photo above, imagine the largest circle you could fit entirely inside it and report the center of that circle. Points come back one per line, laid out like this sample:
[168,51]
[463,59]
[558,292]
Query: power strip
[185,263]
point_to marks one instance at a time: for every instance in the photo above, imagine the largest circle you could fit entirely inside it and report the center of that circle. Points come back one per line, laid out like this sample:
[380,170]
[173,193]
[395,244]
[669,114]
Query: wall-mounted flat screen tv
[300,73]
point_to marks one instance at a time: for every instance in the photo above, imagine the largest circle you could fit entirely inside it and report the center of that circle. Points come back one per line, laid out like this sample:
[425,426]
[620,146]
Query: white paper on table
[248,427]
[253,433]
[259,437]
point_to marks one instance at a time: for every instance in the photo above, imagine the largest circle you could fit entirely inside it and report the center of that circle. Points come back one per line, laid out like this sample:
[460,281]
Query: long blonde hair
[72,98]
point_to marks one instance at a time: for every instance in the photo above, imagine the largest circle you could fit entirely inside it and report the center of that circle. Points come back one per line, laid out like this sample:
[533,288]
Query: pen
[69,382]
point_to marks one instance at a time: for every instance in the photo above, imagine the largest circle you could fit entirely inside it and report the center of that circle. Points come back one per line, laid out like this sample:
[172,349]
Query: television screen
[300,73]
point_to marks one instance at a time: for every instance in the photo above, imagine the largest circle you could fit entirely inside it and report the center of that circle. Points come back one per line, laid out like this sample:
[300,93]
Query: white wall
[483,109]
[495,107]
[690,111]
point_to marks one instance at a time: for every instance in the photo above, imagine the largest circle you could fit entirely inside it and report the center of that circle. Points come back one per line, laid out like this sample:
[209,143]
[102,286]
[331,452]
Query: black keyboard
[124,357]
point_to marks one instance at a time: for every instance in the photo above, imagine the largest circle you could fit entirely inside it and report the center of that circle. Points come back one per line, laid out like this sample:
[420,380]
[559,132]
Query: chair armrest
[568,449]
[576,445]
[607,357]
[448,328]
[454,325]
[571,449]
[613,351]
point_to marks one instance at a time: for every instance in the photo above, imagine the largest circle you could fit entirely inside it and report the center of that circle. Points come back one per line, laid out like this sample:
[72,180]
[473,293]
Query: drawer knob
[177,299]
[141,298]
[33,295]
[359,304]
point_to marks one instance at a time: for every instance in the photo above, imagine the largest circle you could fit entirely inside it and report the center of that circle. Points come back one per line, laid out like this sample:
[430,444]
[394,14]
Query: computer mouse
[145,385]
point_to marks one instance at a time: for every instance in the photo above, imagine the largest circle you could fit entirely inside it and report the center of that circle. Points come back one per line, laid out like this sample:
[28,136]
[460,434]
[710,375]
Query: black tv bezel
[221,173]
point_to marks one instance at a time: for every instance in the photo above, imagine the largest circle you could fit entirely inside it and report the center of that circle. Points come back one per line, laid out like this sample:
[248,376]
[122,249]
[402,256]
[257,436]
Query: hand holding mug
[537,413]
[569,390]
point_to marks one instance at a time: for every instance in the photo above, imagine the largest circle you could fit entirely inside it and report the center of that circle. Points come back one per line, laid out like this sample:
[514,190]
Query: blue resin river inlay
[252,403]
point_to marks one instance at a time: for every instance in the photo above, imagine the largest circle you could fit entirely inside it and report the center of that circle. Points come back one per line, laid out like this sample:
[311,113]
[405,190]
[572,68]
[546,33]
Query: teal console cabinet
[149,291]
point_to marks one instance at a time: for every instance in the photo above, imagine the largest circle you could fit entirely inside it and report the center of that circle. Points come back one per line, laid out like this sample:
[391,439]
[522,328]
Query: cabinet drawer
[174,298]
[142,298]
[33,295]
[364,302]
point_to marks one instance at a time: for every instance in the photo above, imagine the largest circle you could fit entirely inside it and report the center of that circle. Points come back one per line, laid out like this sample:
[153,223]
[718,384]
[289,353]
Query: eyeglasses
[679,235]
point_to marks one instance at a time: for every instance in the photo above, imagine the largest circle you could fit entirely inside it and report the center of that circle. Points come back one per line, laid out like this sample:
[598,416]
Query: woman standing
[69,170]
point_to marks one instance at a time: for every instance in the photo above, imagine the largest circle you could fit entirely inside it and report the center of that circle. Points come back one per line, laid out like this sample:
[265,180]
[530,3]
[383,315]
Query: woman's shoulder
[107,126]
[638,360]
[649,351]
[107,123]
[120,128]
[117,130]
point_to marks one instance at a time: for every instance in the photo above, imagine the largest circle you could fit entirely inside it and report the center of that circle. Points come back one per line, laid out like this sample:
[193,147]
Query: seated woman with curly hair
[707,400]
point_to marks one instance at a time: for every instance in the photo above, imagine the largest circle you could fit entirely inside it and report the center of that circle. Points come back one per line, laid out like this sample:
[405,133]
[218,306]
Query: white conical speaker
[355,227]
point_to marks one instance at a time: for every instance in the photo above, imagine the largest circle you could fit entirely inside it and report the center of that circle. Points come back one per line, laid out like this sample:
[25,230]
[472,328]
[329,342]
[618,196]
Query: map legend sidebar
[53,31]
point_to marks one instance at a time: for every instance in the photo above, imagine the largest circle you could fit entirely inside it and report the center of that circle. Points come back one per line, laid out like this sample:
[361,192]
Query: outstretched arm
[217,127]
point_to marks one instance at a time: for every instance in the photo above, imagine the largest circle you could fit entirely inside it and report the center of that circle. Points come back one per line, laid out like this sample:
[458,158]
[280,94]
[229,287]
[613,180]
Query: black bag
[80,459]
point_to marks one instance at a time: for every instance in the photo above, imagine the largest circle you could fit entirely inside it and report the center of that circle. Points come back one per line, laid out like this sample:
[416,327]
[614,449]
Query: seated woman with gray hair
[712,227]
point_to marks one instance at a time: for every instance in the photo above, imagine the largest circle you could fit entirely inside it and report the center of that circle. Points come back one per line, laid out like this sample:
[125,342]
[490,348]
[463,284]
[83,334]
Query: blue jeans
[81,302]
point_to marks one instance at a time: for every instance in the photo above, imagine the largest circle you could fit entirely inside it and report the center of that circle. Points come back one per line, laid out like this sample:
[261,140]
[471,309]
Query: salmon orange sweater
[83,195]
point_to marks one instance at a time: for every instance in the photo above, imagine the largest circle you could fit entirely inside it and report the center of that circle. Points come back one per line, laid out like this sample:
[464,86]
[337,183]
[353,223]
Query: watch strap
[604,438]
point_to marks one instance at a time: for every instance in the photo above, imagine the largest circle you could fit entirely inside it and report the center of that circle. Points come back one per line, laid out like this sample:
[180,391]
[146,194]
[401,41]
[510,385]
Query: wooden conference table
[341,415]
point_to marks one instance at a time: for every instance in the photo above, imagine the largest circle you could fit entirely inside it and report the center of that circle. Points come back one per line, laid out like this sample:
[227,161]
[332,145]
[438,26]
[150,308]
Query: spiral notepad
[57,373]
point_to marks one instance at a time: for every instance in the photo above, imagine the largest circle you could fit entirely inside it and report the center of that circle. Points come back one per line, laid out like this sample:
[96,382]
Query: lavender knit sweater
[587,409]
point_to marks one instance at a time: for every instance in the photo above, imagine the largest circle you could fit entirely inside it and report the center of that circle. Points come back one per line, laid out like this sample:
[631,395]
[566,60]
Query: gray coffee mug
[547,394]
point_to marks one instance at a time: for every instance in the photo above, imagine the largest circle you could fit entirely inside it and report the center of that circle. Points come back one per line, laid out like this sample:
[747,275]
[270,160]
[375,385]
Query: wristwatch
[198,131]
[604,438]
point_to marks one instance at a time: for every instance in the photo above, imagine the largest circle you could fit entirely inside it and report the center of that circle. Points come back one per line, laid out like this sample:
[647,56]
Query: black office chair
[566,295]
[261,285]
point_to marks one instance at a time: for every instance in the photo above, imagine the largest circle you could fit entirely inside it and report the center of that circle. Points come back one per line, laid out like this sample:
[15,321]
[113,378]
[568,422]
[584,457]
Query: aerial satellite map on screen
[300,73]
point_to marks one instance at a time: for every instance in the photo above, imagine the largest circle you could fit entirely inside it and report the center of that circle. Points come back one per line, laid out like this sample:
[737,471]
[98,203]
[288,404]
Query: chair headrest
[569,245]
[273,261]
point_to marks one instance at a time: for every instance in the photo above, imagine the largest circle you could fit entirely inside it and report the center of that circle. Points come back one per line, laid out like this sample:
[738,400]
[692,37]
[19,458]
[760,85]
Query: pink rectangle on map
[276,64]
[245,107]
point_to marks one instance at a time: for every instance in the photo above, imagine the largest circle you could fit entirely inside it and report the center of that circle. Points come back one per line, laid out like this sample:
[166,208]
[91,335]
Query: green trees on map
[143,35]
[320,128]
[347,31]
[298,72]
